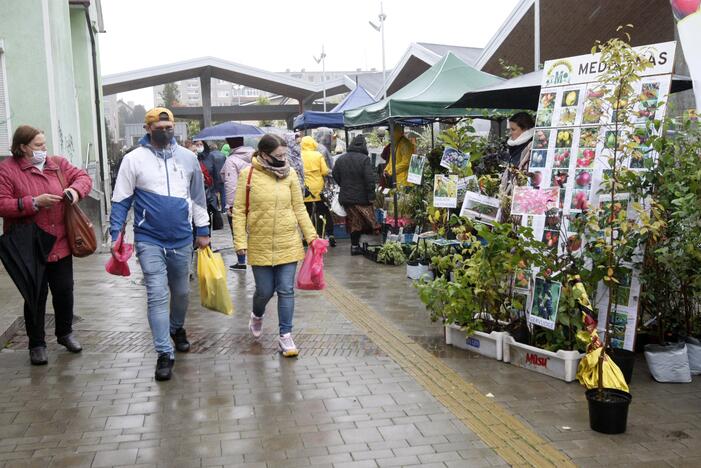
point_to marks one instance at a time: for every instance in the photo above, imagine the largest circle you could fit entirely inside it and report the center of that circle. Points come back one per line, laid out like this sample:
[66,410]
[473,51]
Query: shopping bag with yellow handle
[211,272]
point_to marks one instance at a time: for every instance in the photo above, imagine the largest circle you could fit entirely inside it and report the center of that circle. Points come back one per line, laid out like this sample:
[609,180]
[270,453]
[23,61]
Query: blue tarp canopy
[359,97]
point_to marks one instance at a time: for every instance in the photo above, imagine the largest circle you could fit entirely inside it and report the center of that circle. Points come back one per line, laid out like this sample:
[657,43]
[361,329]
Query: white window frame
[5,143]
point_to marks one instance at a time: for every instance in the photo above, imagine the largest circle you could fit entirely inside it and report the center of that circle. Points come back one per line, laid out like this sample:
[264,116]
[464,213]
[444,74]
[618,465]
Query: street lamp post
[381,29]
[322,59]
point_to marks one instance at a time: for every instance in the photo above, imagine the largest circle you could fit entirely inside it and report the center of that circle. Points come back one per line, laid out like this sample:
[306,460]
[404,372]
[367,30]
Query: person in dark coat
[218,159]
[354,173]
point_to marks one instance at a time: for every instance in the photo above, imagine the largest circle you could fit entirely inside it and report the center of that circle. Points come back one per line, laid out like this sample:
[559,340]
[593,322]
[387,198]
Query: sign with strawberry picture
[574,139]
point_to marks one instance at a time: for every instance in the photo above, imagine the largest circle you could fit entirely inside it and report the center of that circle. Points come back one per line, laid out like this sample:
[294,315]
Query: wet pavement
[374,386]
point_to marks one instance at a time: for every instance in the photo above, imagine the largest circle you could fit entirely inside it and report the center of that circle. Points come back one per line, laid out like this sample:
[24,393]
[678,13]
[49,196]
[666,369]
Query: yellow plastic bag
[588,372]
[211,272]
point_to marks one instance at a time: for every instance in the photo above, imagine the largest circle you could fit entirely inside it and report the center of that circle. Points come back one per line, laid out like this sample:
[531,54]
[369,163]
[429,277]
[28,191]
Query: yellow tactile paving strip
[517,444]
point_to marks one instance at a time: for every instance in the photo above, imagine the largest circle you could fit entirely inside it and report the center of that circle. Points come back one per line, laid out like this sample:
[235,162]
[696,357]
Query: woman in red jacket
[30,191]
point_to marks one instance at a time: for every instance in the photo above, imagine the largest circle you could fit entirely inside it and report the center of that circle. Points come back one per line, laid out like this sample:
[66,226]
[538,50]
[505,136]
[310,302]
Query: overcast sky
[279,34]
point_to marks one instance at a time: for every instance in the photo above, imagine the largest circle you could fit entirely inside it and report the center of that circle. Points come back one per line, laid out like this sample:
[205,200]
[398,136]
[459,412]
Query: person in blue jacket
[164,184]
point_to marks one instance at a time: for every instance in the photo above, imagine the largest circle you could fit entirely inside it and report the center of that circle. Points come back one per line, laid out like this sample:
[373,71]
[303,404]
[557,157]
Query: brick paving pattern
[355,397]
[664,421]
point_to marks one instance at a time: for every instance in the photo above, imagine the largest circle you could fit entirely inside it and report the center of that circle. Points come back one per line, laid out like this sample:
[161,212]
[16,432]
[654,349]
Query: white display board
[572,144]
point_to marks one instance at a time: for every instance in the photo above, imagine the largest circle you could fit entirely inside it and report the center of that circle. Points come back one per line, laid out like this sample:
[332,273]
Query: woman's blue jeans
[272,279]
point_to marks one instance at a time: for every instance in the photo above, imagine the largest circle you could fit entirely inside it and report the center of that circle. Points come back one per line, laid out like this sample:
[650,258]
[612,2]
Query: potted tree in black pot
[617,228]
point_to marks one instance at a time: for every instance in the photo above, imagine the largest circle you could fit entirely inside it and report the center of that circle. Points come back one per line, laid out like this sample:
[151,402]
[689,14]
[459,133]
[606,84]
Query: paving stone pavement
[343,403]
[232,402]
[664,421]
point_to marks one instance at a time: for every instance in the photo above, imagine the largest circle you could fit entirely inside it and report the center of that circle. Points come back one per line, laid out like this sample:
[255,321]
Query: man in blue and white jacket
[164,183]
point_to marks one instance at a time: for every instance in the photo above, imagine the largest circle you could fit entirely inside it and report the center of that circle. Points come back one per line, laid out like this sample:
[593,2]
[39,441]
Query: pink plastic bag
[311,275]
[117,264]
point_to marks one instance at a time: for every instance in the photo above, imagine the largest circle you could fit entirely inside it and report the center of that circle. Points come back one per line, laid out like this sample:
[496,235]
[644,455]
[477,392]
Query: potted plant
[612,237]
[391,253]
[476,304]
[418,261]
[670,308]
[555,352]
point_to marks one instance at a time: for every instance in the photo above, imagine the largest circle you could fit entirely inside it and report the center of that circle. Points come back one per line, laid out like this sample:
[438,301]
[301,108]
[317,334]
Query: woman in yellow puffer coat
[268,210]
[315,169]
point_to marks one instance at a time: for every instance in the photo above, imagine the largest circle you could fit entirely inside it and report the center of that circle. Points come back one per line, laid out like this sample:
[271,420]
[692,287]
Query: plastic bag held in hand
[117,264]
[211,272]
[311,275]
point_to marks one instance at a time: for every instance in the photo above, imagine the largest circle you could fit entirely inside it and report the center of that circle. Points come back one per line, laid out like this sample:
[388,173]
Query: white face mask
[38,157]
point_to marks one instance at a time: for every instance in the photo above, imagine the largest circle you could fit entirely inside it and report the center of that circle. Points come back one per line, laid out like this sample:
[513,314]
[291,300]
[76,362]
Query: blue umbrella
[228,130]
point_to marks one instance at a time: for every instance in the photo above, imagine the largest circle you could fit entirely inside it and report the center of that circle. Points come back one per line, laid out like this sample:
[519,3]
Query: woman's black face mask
[277,162]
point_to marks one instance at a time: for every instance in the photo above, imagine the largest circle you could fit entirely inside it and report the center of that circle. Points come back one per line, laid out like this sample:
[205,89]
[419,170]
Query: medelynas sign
[587,68]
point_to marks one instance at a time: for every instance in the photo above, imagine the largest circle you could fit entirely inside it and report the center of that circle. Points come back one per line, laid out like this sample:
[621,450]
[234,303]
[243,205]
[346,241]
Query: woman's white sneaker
[287,346]
[255,324]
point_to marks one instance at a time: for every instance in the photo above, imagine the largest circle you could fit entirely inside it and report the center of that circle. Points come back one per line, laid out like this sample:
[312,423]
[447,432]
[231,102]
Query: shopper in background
[219,190]
[315,170]
[31,191]
[403,149]
[294,155]
[268,214]
[355,175]
[323,136]
[239,160]
[208,164]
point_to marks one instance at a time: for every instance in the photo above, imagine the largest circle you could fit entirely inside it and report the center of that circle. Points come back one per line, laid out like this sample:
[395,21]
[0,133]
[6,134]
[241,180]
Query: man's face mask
[162,136]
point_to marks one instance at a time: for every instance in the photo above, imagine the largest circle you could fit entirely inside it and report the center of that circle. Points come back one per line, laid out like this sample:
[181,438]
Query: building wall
[25,64]
[48,61]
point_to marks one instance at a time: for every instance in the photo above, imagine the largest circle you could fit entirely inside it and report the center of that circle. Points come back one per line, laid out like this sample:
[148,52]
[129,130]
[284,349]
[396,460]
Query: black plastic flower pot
[608,410]
[625,360]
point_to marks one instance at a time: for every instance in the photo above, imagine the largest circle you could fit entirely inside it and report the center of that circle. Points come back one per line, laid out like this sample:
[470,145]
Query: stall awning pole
[433,140]
[536,35]
[393,152]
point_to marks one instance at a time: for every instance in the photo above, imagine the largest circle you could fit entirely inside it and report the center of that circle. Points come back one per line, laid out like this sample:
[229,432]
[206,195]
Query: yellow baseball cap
[157,114]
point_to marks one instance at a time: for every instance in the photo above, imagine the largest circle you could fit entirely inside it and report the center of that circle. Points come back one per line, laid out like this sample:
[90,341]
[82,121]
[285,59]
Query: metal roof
[276,83]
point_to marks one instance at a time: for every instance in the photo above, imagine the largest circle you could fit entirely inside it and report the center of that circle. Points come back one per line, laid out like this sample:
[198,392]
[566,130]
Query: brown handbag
[79,228]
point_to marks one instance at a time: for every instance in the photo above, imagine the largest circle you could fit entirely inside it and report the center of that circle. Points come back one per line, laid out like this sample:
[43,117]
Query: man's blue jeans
[272,279]
[166,275]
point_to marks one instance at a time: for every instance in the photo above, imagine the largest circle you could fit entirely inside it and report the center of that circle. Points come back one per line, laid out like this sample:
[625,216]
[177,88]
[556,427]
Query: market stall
[424,100]
[359,97]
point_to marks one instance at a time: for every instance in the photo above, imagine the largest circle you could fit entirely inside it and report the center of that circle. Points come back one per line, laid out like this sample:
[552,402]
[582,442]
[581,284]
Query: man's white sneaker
[255,324]
[287,346]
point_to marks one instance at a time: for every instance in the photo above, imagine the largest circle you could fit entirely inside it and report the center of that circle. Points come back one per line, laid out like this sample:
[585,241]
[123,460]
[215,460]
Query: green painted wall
[67,141]
[82,72]
[21,30]
[48,59]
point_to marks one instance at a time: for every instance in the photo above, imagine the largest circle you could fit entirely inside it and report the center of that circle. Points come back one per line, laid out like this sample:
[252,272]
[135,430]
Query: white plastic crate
[487,344]
[561,364]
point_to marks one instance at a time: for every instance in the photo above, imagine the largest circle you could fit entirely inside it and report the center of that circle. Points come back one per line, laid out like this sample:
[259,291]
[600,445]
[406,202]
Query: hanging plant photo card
[533,201]
[445,191]
[544,304]
[416,169]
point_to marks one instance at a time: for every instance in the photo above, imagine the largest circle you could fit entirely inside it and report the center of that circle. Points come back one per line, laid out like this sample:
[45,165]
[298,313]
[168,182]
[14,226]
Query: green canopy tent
[427,99]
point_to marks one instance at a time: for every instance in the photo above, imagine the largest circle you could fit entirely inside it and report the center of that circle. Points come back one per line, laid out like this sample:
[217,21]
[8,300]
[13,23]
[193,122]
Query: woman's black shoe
[164,367]
[38,356]
[70,343]
[356,250]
